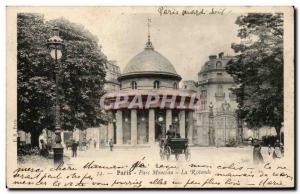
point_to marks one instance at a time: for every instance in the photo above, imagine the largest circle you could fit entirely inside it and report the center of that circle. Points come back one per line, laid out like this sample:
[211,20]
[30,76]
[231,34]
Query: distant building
[189,85]
[100,134]
[112,73]
[215,119]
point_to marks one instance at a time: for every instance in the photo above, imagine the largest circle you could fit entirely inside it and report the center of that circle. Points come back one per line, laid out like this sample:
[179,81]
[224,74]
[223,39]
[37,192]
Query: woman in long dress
[257,156]
[277,150]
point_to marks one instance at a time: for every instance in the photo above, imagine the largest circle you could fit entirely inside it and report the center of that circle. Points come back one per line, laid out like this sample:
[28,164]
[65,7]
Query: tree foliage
[258,70]
[81,77]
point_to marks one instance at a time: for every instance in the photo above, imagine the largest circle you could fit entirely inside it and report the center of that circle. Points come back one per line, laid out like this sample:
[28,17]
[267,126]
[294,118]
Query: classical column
[190,127]
[182,123]
[151,126]
[119,123]
[110,131]
[168,118]
[133,127]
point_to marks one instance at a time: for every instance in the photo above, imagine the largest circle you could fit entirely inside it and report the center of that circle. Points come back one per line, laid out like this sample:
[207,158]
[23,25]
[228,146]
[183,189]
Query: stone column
[119,123]
[151,125]
[190,127]
[110,131]
[168,118]
[133,127]
[182,123]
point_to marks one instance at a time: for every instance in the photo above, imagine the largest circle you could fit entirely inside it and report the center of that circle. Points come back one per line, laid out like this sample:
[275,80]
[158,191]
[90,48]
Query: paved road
[198,154]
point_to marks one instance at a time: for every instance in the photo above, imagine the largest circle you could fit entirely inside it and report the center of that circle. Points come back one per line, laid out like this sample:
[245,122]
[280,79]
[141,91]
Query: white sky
[186,41]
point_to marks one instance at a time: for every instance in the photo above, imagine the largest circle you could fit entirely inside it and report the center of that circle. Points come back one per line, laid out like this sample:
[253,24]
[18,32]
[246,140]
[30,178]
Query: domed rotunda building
[149,101]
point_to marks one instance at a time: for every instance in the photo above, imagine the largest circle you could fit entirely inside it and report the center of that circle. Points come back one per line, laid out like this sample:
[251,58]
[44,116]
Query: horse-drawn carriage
[175,146]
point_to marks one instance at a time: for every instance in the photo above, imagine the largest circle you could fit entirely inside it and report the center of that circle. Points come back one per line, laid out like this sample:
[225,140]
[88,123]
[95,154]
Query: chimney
[211,57]
[221,55]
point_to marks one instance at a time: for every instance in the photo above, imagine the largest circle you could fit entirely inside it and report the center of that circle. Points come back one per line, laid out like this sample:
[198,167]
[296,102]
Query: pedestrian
[74,149]
[43,150]
[95,144]
[257,156]
[269,149]
[282,149]
[89,143]
[277,150]
[111,144]
[170,133]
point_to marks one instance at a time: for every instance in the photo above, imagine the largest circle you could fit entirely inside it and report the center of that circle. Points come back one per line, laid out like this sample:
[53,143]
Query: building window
[220,94]
[220,88]
[156,84]
[218,64]
[203,94]
[133,85]
[175,86]
[203,105]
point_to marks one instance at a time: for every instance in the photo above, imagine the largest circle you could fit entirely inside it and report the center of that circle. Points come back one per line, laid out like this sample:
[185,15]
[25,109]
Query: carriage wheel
[177,156]
[162,153]
[168,152]
[187,154]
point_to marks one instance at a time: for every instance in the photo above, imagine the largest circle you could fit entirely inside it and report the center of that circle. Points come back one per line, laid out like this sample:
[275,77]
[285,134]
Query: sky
[186,41]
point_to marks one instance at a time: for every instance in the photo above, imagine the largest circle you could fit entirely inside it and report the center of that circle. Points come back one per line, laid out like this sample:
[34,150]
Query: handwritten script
[143,174]
[164,11]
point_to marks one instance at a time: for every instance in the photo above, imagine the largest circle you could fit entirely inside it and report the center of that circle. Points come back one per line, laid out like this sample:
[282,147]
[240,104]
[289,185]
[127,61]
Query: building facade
[215,120]
[112,73]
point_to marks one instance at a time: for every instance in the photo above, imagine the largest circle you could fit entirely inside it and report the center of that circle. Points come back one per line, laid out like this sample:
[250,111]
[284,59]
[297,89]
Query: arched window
[220,88]
[133,85]
[156,84]
[175,86]
[219,64]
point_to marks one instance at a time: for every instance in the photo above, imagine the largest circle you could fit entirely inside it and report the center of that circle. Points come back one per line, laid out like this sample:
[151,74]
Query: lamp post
[55,45]
[160,123]
[210,123]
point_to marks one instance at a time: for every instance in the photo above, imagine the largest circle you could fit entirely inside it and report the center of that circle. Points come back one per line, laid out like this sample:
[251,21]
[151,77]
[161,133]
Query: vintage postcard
[150,97]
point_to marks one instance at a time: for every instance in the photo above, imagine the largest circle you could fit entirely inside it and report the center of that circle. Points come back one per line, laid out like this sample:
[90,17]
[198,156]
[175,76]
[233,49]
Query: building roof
[215,63]
[149,62]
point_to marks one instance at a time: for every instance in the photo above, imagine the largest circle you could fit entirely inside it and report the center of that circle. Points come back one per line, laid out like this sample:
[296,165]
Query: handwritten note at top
[190,11]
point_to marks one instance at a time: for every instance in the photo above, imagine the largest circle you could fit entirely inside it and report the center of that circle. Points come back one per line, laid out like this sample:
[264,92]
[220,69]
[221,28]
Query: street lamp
[210,125]
[160,119]
[55,45]
[176,119]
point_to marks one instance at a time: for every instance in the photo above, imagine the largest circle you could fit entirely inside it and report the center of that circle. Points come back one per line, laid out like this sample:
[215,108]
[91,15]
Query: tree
[81,78]
[258,70]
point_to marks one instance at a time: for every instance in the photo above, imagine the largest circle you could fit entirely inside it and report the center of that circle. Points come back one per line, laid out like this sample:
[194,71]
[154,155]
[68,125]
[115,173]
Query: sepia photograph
[153,97]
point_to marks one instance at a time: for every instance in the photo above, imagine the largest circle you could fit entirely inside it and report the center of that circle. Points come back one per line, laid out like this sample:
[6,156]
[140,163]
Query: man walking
[111,144]
[95,144]
[74,149]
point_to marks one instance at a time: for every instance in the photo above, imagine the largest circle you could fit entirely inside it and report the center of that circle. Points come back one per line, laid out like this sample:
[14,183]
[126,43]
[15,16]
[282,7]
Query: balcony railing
[220,94]
[215,80]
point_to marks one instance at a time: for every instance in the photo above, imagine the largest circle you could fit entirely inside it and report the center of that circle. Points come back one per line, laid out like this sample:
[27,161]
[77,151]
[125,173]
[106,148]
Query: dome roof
[149,62]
